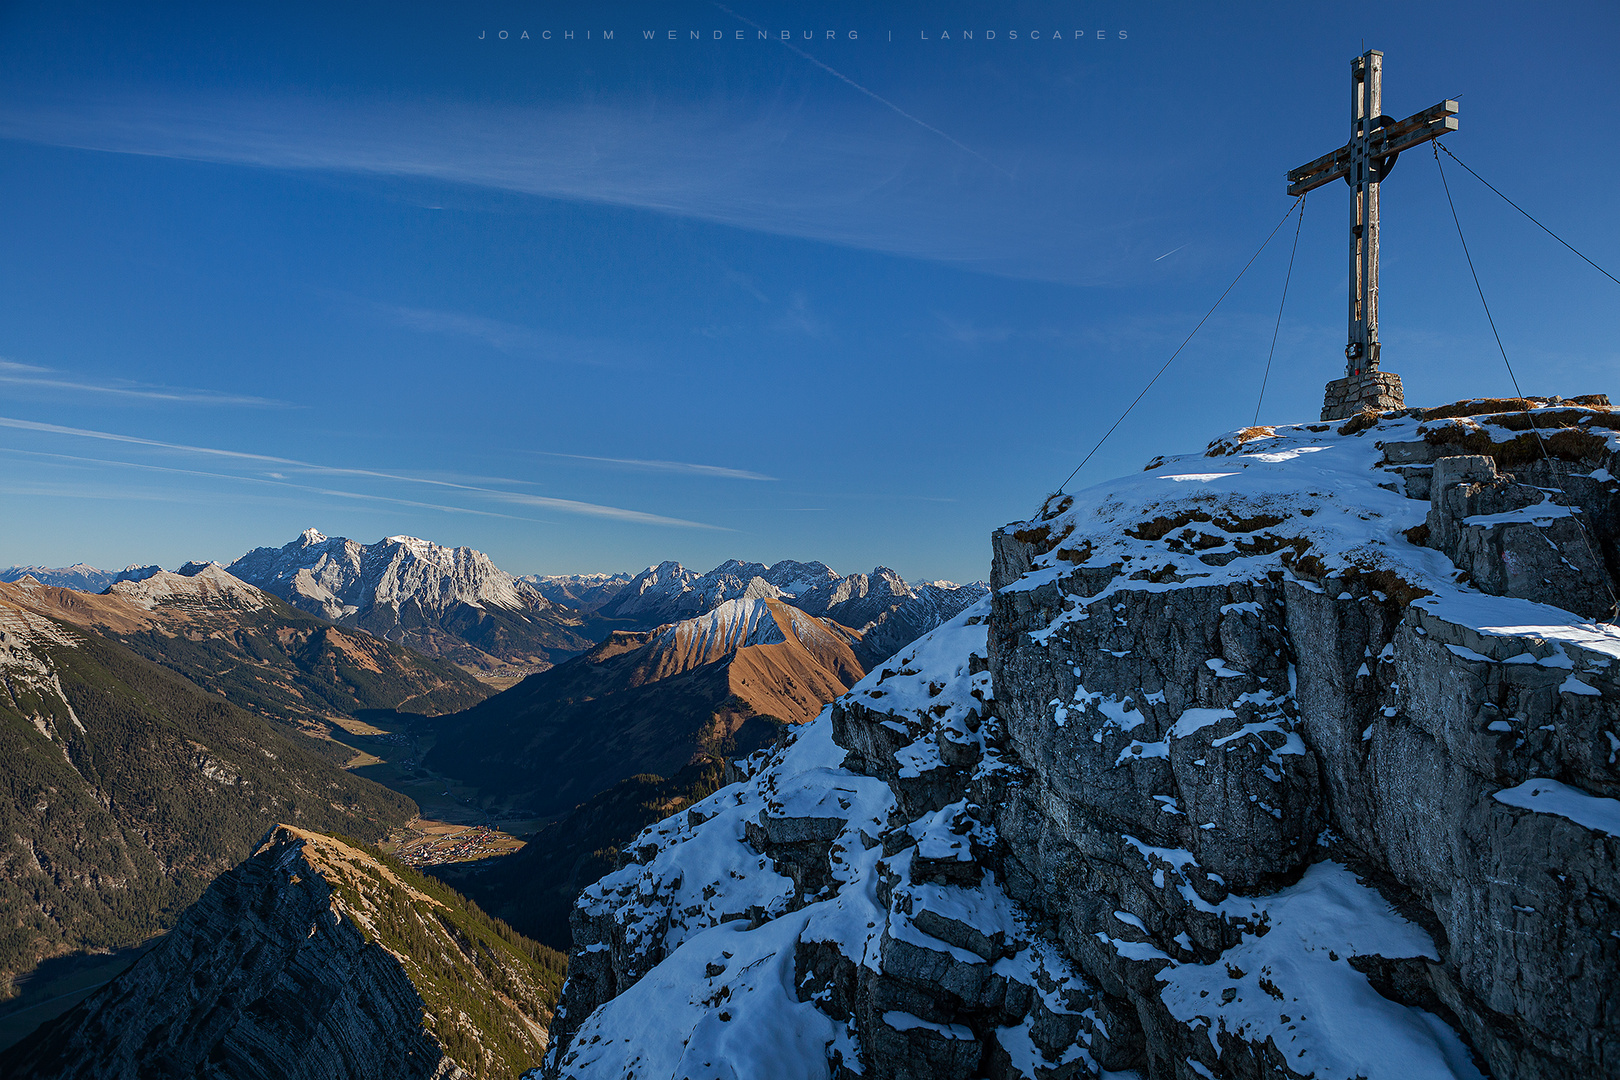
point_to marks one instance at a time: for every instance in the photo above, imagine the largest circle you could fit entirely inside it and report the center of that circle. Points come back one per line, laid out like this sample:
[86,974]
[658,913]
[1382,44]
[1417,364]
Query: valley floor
[58,984]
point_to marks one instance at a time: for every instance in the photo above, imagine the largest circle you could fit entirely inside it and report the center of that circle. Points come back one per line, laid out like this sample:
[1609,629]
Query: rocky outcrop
[312,959]
[195,585]
[1238,775]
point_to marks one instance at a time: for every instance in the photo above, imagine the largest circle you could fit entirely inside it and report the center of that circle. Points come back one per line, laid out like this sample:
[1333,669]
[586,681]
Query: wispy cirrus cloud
[508,337]
[15,374]
[687,467]
[270,479]
[851,175]
[513,498]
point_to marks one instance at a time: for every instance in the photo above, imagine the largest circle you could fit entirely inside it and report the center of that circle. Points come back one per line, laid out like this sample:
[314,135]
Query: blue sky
[587,305]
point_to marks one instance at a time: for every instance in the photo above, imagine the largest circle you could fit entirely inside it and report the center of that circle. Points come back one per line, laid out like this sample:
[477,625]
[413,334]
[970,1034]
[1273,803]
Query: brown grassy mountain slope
[254,648]
[651,702]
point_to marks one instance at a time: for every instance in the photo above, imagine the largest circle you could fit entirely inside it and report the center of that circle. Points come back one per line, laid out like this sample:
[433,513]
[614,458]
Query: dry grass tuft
[1482,406]
[1360,422]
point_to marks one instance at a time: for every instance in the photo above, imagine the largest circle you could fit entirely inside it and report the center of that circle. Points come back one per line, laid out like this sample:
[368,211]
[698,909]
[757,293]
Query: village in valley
[433,843]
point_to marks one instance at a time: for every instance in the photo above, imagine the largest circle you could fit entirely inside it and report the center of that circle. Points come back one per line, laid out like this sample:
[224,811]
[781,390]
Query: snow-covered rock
[451,602]
[1233,775]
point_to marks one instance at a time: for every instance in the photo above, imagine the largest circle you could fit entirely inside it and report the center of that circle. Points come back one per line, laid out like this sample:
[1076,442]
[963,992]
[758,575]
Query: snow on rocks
[1243,770]
[1294,984]
[815,900]
[1551,797]
[866,921]
[1370,585]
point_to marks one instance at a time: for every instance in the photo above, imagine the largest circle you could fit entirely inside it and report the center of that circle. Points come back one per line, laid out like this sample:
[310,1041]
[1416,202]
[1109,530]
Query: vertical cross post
[1366,109]
[1375,142]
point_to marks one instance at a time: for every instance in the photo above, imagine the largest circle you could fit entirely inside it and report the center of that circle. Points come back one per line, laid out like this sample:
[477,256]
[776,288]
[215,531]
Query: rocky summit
[1296,758]
[451,603]
[316,960]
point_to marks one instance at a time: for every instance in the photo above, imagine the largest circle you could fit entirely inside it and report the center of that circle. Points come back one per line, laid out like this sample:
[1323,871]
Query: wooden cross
[1363,163]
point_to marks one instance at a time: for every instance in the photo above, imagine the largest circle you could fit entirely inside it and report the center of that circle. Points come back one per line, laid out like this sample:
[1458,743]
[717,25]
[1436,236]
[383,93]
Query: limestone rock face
[1522,539]
[1237,774]
[451,603]
[291,966]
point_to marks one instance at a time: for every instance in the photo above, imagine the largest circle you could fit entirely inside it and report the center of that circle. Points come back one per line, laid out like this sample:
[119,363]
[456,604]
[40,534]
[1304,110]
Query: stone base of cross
[1379,390]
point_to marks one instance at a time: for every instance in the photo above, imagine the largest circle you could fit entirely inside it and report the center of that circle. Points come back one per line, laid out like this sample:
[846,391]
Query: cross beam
[1363,163]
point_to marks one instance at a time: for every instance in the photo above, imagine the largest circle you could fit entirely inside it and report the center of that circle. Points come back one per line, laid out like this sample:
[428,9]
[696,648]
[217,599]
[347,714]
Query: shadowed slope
[125,790]
[648,703]
[316,960]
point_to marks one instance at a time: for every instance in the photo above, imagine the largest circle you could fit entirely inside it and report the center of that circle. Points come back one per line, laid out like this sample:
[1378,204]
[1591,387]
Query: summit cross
[1363,163]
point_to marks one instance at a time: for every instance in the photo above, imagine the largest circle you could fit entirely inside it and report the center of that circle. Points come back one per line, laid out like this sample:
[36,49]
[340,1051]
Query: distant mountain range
[455,604]
[446,602]
[253,648]
[80,576]
[889,613]
[583,592]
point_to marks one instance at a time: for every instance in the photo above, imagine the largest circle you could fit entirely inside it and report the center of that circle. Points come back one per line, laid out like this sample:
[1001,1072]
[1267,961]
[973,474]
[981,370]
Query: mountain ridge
[451,603]
[889,612]
[81,577]
[233,639]
[314,957]
[649,701]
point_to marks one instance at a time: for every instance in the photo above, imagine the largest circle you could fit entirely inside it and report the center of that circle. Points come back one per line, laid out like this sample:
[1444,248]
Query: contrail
[572,506]
[875,97]
[1171,252]
[664,466]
